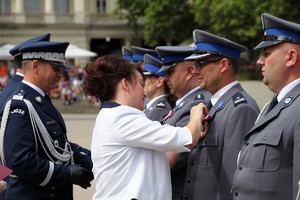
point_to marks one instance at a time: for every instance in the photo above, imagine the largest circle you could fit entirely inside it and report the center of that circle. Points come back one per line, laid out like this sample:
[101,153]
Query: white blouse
[128,154]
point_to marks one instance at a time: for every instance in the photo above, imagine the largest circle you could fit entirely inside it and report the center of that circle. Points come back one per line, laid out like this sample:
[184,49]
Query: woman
[128,149]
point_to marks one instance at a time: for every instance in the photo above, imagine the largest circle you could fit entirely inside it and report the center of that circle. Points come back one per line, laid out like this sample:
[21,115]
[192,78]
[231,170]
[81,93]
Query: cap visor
[265,44]
[165,67]
[148,73]
[60,65]
[197,56]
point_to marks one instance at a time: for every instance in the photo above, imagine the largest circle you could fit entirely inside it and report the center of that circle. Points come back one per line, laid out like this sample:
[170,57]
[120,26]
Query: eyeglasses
[202,63]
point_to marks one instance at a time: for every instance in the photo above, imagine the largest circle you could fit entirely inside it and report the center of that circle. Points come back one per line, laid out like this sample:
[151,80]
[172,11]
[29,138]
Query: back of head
[103,76]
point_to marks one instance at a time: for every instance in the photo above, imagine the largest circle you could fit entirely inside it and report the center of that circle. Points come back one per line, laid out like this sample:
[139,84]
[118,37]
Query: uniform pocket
[209,151]
[265,155]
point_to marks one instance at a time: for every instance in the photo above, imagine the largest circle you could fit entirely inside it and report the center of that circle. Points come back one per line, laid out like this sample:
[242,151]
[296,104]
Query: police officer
[182,79]
[127,53]
[233,112]
[156,89]
[33,141]
[269,162]
[18,77]
[13,83]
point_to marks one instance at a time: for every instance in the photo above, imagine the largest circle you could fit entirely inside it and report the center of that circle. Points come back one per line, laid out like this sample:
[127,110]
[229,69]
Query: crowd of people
[174,122]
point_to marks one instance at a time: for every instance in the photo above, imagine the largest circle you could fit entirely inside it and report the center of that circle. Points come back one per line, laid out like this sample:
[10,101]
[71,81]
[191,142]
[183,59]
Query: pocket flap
[269,137]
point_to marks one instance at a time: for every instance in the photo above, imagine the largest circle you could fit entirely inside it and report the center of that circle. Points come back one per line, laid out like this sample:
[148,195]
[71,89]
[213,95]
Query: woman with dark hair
[128,149]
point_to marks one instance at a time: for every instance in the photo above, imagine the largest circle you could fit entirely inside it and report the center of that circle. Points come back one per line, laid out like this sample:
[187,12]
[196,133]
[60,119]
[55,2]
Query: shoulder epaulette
[199,96]
[161,104]
[238,98]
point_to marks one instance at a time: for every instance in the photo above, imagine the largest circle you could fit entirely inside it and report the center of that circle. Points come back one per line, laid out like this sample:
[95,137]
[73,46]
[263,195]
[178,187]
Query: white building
[89,24]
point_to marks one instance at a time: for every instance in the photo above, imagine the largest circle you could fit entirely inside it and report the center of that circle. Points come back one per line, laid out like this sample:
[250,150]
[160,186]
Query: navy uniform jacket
[7,91]
[10,88]
[25,155]
[159,109]
[269,162]
[180,117]
[212,162]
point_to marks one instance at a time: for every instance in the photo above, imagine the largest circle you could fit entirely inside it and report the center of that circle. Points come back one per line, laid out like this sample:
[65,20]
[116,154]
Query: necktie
[209,105]
[272,103]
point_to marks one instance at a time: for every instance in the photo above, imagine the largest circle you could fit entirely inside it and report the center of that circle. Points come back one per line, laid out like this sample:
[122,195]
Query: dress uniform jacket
[37,173]
[159,109]
[7,91]
[10,88]
[269,162]
[179,117]
[212,162]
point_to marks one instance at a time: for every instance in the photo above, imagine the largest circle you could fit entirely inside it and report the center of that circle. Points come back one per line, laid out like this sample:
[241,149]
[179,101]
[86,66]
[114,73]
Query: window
[61,6]
[101,6]
[5,7]
[32,6]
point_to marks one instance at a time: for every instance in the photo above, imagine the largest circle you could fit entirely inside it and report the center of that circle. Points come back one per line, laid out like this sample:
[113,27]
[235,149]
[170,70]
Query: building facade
[88,24]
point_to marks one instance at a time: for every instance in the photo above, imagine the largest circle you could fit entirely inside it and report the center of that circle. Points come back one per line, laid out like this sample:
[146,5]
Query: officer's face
[49,76]
[209,76]
[176,79]
[150,88]
[273,66]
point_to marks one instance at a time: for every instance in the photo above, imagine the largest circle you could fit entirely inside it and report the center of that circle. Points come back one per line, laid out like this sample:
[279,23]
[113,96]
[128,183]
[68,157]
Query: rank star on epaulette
[39,99]
[238,98]
[181,104]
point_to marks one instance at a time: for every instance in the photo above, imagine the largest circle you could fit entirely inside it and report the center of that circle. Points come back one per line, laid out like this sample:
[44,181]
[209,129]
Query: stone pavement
[80,127]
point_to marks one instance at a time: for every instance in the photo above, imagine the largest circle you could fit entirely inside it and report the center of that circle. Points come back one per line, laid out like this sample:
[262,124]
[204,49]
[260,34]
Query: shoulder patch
[161,104]
[199,96]
[238,98]
[17,111]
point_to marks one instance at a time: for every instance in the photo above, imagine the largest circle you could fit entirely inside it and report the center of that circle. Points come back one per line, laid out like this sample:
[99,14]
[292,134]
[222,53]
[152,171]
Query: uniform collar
[214,99]
[36,88]
[287,89]
[187,94]
[148,105]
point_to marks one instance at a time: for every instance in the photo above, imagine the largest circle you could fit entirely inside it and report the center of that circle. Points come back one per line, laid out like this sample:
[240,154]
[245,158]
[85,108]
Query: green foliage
[168,20]
[172,21]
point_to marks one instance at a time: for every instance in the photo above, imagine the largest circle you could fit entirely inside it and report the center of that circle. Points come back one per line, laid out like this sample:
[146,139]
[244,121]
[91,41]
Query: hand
[80,176]
[2,185]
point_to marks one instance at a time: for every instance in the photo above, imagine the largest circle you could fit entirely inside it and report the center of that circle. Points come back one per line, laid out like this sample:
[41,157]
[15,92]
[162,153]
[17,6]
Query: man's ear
[292,57]
[225,63]
[35,66]
[160,82]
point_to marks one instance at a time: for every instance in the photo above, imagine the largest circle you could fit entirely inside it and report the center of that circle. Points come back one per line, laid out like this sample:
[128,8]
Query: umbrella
[4,52]
[76,52]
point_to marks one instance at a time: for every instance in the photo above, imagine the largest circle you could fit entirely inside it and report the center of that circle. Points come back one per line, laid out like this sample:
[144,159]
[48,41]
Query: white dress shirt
[128,154]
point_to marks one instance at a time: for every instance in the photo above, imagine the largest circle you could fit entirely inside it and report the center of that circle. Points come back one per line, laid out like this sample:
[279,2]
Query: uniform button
[241,167]
[192,162]
[185,196]
[51,195]
[188,180]
[264,138]
[247,142]
[236,193]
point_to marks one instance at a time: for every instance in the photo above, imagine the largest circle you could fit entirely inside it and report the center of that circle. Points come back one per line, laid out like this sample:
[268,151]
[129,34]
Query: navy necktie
[272,104]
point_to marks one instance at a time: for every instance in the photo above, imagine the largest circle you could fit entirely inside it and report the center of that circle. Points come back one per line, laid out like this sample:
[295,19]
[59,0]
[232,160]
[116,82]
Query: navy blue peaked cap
[207,44]
[51,52]
[152,65]
[278,30]
[139,52]
[127,53]
[170,55]
[15,51]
